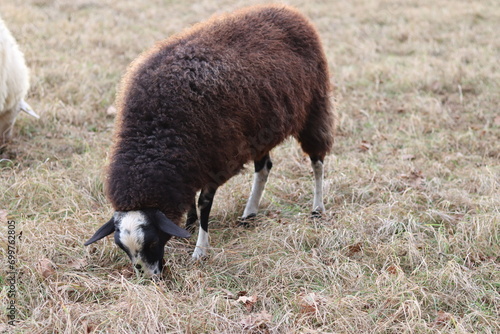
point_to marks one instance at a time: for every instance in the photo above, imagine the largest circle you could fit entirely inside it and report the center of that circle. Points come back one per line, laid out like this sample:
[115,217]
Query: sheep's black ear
[102,232]
[169,227]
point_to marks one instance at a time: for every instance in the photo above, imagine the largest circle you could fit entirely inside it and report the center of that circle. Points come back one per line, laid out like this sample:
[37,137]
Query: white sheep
[14,83]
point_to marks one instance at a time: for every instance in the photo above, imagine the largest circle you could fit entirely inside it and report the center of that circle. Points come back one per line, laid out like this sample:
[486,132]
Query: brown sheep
[196,107]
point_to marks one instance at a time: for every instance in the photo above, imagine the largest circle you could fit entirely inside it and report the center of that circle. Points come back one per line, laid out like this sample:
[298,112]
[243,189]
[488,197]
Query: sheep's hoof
[199,254]
[190,228]
[245,221]
[316,214]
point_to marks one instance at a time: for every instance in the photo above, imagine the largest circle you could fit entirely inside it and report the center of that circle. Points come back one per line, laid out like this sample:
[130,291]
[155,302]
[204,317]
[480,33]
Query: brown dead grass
[410,242]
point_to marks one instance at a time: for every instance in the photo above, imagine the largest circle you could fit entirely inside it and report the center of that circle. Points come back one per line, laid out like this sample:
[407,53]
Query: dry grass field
[409,242]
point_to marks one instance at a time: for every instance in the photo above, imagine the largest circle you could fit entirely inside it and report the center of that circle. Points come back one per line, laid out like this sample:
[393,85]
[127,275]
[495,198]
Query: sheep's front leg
[205,205]
[318,206]
[262,169]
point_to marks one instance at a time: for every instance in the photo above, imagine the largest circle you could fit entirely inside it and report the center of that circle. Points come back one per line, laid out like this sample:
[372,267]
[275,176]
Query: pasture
[410,239]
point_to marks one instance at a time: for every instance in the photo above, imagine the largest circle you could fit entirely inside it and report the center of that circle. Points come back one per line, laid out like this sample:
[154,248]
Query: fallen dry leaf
[46,267]
[353,249]
[306,308]
[442,319]
[417,174]
[77,263]
[256,321]
[63,288]
[408,157]
[416,178]
[230,295]
[248,301]
[364,146]
[392,269]
[310,302]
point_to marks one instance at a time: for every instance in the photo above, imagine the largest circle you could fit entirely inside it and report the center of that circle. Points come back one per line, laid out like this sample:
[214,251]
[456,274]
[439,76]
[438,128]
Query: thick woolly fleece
[14,81]
[198,106]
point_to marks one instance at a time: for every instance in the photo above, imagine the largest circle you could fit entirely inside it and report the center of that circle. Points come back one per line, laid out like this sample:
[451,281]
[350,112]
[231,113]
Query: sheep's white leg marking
[202,245]
[205,205]
[262,169]
[259,182]
[318,205]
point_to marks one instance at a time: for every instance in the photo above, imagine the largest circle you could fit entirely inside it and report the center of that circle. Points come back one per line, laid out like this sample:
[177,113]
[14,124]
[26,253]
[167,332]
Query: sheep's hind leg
[318,206]
[192,217]
[205,205]
[262,168]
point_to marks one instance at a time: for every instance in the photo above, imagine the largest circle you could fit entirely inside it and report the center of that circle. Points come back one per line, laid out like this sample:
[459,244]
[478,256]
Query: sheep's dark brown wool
[196,107]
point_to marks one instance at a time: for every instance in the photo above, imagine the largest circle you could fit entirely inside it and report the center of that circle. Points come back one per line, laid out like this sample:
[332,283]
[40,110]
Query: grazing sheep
[198,106]
[14,83]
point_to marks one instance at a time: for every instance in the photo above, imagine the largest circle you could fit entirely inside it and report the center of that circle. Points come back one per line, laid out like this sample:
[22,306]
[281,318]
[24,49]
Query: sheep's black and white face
[142,235]
[142,241]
